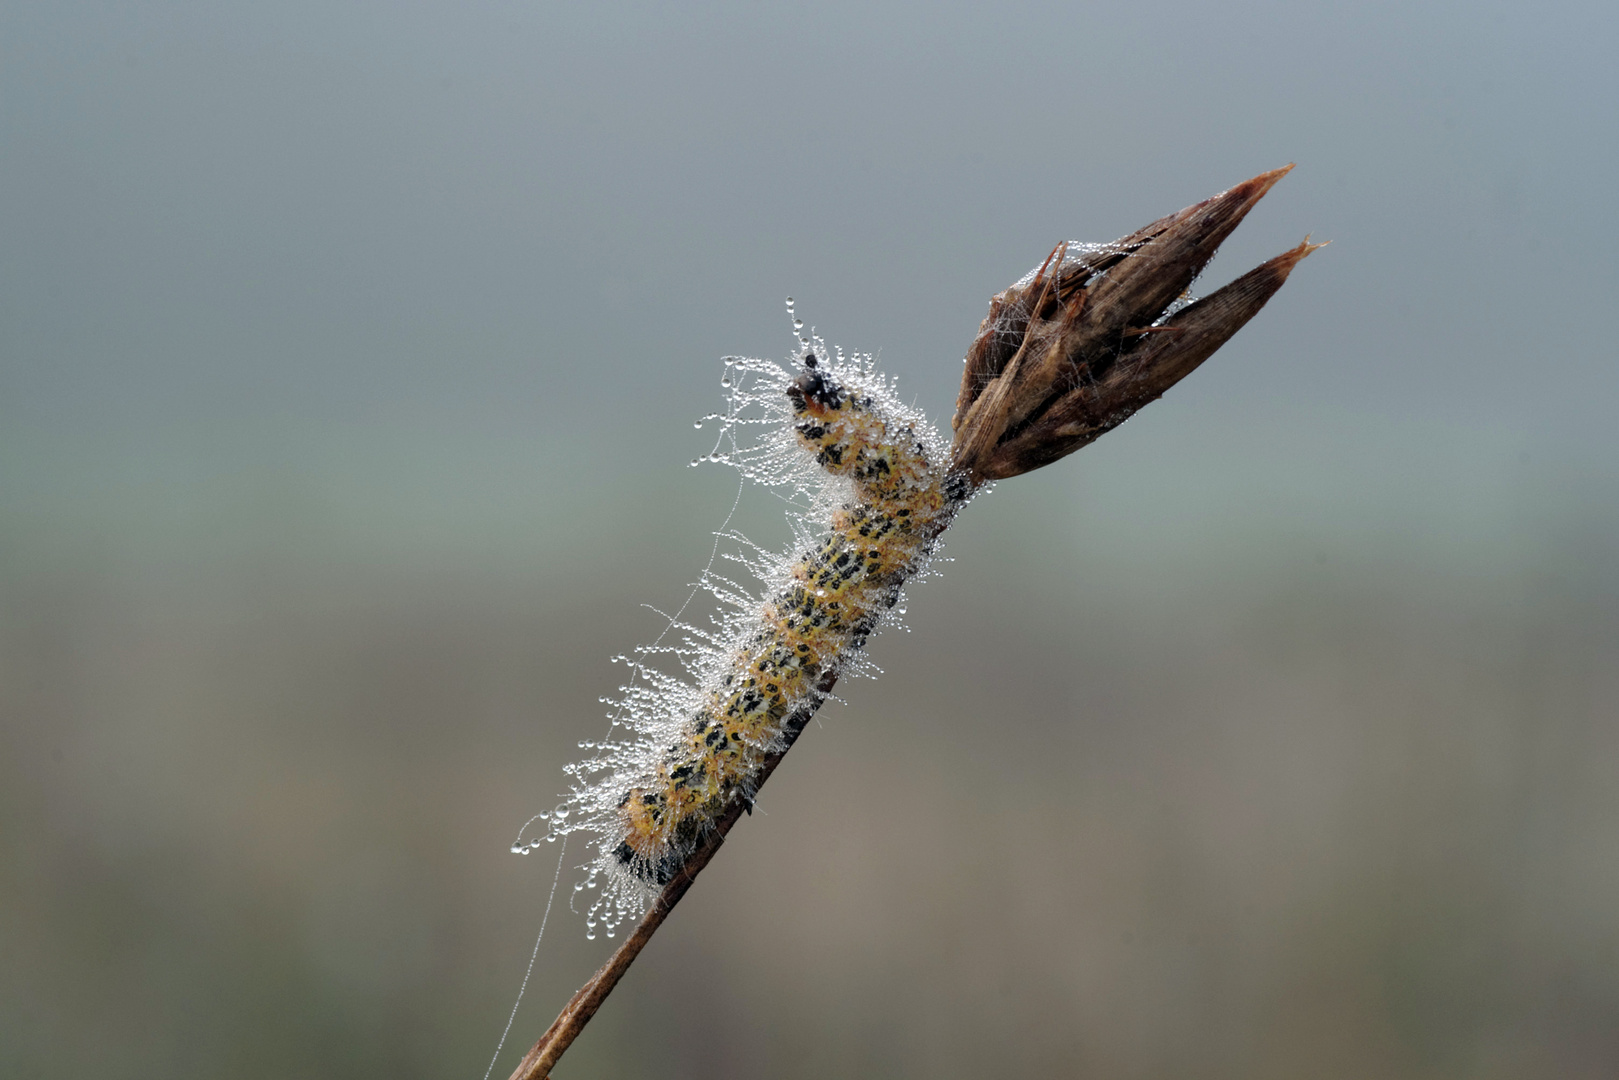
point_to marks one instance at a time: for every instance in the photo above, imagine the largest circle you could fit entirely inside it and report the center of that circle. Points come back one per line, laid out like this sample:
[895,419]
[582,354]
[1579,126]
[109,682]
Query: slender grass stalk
[1065,355]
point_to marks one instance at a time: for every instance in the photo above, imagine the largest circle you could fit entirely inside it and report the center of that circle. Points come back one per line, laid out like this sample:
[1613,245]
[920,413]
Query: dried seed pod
[1097,331]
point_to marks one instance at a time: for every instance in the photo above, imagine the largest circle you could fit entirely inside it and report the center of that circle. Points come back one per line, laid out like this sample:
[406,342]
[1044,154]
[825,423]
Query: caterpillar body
[879,492]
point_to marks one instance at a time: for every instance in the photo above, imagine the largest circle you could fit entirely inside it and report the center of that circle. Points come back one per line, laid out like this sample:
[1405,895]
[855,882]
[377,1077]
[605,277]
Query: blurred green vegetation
[1255,809]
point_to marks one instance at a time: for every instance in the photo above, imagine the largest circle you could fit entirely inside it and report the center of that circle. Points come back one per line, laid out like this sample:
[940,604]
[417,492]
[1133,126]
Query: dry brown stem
[1059,361]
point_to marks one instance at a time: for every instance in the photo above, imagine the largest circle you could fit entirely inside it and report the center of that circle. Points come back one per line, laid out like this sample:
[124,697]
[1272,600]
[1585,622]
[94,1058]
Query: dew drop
[519,849]
[696,462]
[698,424]
[798,324]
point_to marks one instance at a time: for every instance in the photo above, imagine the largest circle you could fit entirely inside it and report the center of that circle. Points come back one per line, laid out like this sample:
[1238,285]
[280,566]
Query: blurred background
[348,363]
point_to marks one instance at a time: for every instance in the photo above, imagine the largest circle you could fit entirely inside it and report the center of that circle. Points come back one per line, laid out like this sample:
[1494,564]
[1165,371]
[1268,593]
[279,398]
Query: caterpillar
[879,492]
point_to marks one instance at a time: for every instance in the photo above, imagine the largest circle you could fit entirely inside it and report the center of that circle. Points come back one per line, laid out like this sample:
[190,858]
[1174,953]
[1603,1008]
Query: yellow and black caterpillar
[833,598]
[884,495]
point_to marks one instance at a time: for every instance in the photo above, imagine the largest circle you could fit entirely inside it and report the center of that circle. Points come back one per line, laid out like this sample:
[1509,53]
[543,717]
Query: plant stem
[1062,358]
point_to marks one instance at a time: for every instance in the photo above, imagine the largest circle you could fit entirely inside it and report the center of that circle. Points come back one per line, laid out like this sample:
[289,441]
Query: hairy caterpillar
[880,493]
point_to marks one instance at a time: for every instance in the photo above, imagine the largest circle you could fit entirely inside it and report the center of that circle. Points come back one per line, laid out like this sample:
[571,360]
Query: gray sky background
[440,267]
[349,355]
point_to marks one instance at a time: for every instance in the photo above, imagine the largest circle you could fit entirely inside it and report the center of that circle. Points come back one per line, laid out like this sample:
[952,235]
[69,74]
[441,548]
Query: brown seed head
[1074,349]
